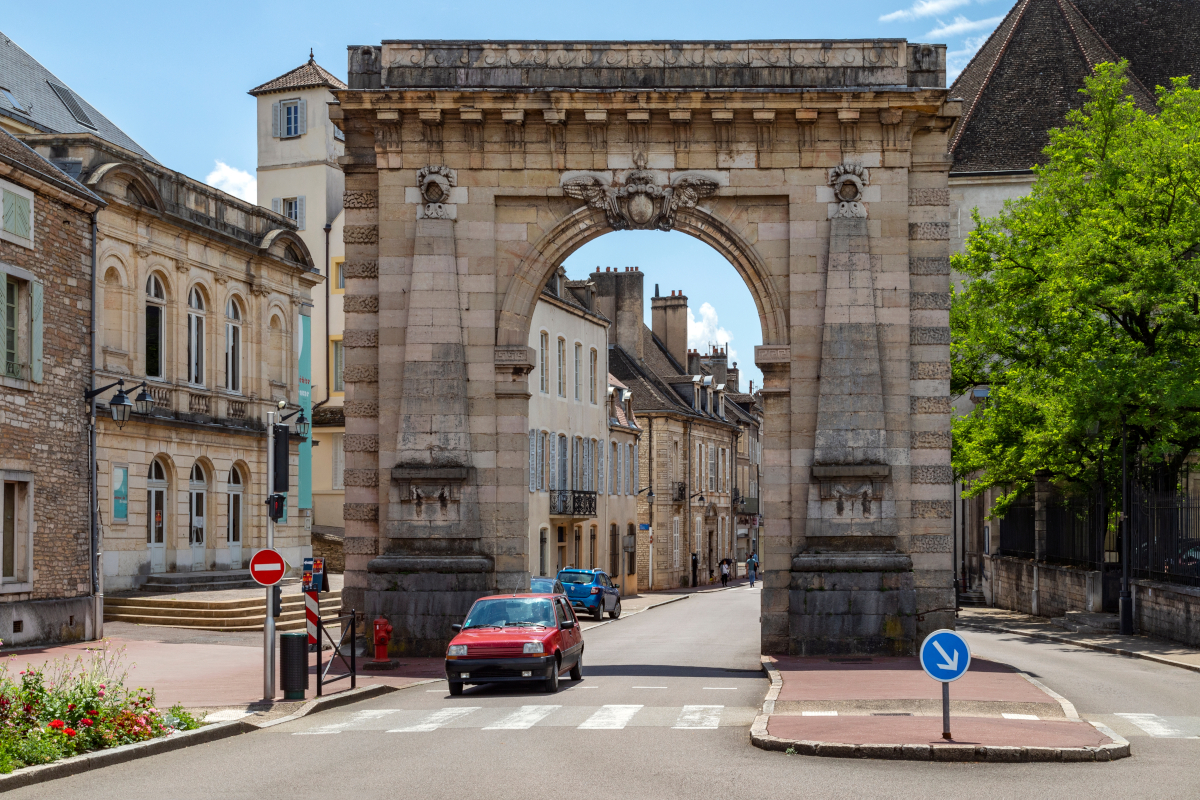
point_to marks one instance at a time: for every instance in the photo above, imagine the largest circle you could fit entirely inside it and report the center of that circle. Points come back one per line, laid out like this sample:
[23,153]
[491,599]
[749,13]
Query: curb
[1049,637]
[923,752]
[318,704]
[120,755]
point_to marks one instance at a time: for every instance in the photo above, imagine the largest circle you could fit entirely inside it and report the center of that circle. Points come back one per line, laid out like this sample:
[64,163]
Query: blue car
[592,591]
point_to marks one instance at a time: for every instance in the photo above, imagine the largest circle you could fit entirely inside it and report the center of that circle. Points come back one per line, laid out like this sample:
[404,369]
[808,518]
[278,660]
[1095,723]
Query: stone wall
[330,546]
[1059,589]
[43,426]
[1167,610]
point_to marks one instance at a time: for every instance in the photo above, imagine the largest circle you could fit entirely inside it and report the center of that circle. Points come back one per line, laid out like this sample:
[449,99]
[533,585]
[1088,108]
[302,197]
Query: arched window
[233,534]
[276,352]
[156,300]
[114,302]
[197,506]
[156,516]
[196,337]
[233,346]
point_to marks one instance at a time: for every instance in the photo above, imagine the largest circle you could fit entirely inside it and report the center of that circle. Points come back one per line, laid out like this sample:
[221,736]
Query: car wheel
[577,670]
[616,611]
[456,689]
[598,614]
[551,685]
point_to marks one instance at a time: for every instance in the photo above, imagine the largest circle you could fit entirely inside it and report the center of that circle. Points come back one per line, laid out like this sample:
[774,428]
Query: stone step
[971,599]
[217,580]
[207,609]
[1089,622]
[287,621]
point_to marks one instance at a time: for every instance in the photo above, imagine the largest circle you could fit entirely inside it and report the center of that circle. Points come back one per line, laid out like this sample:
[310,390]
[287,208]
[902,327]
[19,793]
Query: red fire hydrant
[383,635]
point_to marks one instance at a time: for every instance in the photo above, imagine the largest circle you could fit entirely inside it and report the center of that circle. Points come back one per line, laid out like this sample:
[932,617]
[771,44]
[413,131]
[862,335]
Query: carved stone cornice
[641,203]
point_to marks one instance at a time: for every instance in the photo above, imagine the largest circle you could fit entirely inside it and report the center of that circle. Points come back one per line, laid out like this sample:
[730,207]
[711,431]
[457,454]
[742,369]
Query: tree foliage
[1081,307]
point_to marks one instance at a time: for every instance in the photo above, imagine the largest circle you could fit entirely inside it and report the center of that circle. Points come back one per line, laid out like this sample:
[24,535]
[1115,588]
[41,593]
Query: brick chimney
[733,381]
[718,364]
[668,316]
[619,297]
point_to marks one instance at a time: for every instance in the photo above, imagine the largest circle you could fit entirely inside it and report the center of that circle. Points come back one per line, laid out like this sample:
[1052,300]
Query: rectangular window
[564,477]
[592,377]
[612,469]
[16,214]
[675,541]
[120,490]
[154,341]
[15,527]
[562,367]
[291,118]
[339,461]
[338,276]
[336,365]
[578,368]
[233,357]
[12,364]
[544,364]
[712,468]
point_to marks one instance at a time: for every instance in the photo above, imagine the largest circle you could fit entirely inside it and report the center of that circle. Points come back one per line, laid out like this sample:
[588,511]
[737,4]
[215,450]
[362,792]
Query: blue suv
[592,591]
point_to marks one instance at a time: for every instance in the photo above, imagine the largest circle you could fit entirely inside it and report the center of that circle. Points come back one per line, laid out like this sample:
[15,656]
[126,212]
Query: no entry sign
[267,567]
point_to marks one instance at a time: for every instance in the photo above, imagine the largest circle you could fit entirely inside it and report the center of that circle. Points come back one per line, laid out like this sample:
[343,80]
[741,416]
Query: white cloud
[962,25]
[235,181]
[923,8]
[957,60]
[706,331]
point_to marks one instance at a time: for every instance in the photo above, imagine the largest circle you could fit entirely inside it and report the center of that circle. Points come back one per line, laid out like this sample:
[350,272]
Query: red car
[516,637]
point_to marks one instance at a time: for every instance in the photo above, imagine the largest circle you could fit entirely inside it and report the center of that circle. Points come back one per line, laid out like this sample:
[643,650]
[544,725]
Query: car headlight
[456,650]
[534,647]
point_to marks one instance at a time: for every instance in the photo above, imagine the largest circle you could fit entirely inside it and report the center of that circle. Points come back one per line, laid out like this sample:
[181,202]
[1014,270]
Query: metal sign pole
[945,709]
[269,617]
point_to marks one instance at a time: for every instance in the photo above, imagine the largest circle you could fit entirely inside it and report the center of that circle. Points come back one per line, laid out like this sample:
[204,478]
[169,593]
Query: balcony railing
[678,492]
[572,503]
[198,404]
[749,506]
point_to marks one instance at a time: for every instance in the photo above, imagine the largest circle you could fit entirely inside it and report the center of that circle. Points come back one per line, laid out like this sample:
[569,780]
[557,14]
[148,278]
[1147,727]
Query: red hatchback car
[516,637]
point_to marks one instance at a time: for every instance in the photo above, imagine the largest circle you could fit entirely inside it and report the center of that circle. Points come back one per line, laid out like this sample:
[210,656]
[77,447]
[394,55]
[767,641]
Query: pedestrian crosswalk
[1164,727]
[596,718]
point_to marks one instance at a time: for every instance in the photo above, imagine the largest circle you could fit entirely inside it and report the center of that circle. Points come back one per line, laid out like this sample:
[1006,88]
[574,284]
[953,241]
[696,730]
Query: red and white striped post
[312,615]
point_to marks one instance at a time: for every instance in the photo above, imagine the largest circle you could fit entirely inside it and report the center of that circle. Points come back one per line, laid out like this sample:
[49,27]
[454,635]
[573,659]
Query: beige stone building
[299,176]
[473,169]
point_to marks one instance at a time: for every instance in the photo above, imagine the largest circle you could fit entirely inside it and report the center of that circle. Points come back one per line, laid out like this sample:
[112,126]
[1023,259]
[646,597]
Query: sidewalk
[887,707]
[1001,621]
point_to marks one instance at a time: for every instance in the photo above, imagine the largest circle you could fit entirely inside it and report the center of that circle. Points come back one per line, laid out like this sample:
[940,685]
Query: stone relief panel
[641,202]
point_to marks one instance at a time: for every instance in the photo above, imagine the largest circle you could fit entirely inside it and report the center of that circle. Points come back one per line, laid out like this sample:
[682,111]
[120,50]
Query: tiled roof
[329,417]
[306,76]
[48,104]
[14,151]
[1028,74]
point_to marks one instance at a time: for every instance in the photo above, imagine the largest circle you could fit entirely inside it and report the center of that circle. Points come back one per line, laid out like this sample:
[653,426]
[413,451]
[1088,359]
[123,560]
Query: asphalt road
[663,711]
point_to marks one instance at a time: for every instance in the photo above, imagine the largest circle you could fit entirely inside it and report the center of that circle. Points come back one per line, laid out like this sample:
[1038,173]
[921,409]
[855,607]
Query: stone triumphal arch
[817,168]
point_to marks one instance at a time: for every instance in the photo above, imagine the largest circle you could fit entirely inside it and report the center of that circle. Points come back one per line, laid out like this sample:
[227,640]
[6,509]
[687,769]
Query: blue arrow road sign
[945,656]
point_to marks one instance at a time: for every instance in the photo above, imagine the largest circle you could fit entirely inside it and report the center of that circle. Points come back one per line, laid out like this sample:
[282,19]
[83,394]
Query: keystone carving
[435,183]
[848,182]
[641,204]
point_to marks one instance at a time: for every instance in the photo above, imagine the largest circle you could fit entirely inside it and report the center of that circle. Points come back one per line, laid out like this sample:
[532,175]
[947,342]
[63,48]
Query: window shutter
[275,120]
[636,471]
[3,317]
[600,465]
[277,205]
[553,444]
[532,460]
[302,111]
[35,332]
[300,212]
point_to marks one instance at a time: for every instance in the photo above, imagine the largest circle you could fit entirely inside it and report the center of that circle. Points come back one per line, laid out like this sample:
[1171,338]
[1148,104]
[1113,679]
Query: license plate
[464,674]
[526,674]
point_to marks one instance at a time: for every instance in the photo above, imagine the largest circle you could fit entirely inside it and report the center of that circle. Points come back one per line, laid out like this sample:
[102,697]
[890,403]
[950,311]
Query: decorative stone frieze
[369,338]
[935,231]
[360,408]
[929,371]
[360,304]
[364,373]
[931,509]
[361,234]
[360,477]
[932,475]
[641,203]
[930,405]
[360,546]
[361,512]
[361,269]
[939,301]
[360,199]
[937,335]
[930,440]
[360,443]
[928,197]
[929,266]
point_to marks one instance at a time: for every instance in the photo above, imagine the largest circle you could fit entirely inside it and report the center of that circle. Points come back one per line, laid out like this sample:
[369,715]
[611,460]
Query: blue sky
[174,76]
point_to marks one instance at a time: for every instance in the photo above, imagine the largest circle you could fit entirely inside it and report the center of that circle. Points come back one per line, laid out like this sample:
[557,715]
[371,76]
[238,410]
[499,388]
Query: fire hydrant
[383,635]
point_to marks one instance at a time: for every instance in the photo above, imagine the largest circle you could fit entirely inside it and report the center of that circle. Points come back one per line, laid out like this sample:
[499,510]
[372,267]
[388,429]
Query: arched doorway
[157,515]
[235,526]
[830,206]
[198,517]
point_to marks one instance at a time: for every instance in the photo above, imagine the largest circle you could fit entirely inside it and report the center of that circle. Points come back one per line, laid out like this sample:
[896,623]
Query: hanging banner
[305,355]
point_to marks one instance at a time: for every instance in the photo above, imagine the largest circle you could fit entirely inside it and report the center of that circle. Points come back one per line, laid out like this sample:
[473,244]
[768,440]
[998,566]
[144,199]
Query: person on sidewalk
[725,572]
[752,568]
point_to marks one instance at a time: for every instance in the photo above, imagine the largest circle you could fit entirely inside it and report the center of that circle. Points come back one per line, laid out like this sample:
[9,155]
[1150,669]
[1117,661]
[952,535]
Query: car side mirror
[568,623]
[456,627]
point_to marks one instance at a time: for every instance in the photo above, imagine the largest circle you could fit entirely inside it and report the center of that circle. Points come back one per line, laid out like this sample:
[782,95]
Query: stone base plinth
[422,598]
[852,604]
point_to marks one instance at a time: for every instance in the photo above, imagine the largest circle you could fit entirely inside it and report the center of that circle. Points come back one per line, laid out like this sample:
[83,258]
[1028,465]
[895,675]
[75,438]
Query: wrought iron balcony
[678,492]
[750,506]
[572,503]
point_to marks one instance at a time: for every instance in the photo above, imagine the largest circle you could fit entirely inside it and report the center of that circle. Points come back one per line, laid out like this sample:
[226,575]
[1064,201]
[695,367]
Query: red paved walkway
[986,731]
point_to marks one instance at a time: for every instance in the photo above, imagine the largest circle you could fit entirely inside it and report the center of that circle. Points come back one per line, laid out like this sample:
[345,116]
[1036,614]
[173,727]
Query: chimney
[619,297]
[693,362]
[718,363]
[668,316]
[732,382]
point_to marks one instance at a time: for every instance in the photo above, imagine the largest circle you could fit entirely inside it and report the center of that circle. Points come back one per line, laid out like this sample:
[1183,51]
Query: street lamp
[699,494]
[649,496]
[120,405]
[303,426]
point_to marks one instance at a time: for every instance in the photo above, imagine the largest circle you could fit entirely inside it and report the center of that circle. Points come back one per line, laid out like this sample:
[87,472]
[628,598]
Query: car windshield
[510,612]
[575,577]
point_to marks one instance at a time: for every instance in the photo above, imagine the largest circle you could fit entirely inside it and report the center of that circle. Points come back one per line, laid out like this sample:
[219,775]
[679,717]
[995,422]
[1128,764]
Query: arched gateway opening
[817,169]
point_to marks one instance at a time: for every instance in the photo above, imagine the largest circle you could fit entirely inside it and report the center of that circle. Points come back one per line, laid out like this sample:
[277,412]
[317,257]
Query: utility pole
[1126,597]
[268,615]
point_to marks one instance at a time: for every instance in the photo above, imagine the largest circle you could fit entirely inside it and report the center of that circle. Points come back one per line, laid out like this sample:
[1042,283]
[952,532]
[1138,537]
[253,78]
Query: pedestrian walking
[752,568]
[725,572]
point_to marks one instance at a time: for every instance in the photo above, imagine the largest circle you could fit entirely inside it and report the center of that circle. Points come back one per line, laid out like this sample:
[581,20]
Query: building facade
[582,442]
[299,177]
[46,572]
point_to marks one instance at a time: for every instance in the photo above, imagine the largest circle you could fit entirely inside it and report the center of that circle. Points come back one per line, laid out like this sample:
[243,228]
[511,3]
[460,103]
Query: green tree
[1081,307]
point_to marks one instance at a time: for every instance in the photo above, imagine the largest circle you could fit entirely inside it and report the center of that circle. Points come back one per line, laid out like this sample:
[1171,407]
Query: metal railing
[678,493]
[1075,529]
[1164,529]
[16,370]
[1017,536]
[572,503]
[339,646]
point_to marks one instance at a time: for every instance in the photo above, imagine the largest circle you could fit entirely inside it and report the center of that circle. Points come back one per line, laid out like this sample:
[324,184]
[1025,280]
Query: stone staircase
[1088,622]
[972,598]
[211,581]
[244,614]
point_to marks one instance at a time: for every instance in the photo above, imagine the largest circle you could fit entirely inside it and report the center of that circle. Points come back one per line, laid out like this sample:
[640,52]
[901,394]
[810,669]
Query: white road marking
[1155,726]
[1019,716]
[720,688]
[702,717]
[437,719]
[818,713]
[524,717]
[338,727]
[610,718]
[649,687]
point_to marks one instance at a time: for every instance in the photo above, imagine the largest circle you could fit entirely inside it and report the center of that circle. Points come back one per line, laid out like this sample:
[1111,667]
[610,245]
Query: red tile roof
[306,76]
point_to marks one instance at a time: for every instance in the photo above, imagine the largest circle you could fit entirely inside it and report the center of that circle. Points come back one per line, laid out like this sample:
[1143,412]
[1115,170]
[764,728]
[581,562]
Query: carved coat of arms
[641,203]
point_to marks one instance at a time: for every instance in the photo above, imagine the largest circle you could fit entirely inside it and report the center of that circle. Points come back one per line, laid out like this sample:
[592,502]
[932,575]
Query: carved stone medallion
[641,203]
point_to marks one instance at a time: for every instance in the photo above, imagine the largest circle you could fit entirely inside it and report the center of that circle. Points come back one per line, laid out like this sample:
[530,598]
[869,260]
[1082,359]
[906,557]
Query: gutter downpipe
[97,575]
[328,300]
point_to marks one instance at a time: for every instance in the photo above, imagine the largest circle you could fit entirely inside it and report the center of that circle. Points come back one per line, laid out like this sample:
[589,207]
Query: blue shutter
[600,465]
[35,331]
[277,205]
[275,120]
[300,213]
[302,121]
[532,460]
[553,439]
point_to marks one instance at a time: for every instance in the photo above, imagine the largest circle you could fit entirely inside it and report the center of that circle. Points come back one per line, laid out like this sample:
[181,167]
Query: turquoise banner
[306,404]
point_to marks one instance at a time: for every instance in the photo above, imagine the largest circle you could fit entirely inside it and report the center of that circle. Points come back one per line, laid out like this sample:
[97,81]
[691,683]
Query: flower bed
[70,707]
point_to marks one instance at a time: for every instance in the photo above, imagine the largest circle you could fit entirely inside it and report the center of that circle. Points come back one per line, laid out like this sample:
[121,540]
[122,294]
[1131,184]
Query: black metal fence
[341,648]
[1075,530]
[1164,528]
[1017,536]
[572,503]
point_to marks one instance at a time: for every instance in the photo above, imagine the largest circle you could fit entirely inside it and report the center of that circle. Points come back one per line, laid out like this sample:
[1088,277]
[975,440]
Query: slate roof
[308,75]
[1026,77]
[20,155]
[49,109]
